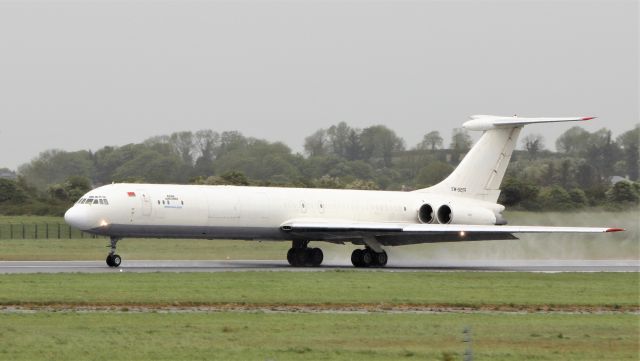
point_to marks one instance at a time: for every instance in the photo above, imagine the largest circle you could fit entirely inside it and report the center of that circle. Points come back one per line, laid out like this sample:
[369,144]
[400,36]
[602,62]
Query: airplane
[463,207]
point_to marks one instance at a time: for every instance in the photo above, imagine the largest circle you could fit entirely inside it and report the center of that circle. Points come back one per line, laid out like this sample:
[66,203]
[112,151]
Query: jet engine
[425,213]
[462,214]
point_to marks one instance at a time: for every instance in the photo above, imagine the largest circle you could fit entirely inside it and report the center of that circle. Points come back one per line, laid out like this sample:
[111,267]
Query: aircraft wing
[412,233]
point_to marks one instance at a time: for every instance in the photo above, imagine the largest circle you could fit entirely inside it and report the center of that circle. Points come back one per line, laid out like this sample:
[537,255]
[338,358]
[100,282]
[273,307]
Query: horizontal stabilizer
[486,122]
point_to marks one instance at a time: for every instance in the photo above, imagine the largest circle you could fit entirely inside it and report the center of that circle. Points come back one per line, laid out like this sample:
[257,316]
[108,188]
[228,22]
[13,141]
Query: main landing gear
[369,258]
[299,255]
[113,260]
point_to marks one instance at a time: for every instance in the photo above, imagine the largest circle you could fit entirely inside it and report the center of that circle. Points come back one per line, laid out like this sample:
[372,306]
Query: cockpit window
[94,200]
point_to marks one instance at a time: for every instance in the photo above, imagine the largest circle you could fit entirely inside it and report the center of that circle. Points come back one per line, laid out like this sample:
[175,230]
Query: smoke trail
[621,245]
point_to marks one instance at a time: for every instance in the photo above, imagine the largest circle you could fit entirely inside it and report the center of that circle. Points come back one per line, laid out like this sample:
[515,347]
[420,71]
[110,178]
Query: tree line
[579,174]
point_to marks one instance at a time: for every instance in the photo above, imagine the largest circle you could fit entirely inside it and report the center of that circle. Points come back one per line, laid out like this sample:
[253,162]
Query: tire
[356,257]
[290,259]
[367,258]
[109,261]
[299,257]
[315,257]
[116,260]
[381,259]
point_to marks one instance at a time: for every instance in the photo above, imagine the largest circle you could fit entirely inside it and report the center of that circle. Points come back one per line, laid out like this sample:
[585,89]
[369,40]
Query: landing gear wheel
[290,258]
[114,260]
[381,259]
[315,257]
[299,257]
[356,257]
[367,258]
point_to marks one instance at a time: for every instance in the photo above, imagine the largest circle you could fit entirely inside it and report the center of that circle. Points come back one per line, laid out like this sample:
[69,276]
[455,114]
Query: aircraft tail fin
[480,172]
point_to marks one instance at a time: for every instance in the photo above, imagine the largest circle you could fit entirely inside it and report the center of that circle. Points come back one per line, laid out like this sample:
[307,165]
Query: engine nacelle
[461,214]
[425,213]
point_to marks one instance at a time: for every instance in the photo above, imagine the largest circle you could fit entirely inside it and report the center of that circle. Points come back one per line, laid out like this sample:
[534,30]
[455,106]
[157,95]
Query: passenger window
[106,202]
[95,201]
[101,201]
[158,201]
[182,202]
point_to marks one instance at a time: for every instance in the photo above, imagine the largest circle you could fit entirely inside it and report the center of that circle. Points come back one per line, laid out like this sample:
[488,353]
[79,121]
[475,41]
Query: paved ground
[253,265]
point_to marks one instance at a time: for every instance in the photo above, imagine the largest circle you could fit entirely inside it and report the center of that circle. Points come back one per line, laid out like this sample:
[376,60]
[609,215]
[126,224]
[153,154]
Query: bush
[623,193]
[556,198]
[578,197]
[518,193]
[11,192]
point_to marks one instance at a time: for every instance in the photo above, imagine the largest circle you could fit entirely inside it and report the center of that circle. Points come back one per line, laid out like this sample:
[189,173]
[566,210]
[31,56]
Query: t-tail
[480,173]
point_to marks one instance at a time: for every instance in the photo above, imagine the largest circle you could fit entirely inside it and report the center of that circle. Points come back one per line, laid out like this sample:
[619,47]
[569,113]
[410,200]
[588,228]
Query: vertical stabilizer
[479,174]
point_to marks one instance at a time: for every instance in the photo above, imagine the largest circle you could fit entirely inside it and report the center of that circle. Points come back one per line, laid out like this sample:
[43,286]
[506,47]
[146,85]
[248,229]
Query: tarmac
[551,266]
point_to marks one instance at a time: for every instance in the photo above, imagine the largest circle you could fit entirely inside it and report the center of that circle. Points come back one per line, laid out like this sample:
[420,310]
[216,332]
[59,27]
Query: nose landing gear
[113,260]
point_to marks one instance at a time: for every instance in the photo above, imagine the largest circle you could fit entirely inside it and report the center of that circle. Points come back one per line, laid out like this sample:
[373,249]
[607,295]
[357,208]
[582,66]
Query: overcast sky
[82,75]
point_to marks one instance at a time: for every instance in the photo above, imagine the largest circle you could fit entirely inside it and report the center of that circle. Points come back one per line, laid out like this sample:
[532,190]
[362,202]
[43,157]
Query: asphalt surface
[276,265]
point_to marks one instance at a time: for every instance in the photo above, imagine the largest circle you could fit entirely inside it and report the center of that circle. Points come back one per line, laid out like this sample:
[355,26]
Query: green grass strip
[472,289]
[264,336]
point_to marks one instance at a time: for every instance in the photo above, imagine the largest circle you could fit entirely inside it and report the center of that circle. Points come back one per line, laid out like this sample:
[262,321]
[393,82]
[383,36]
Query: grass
[131,249]
[31,219]
[265,336]
[472,289]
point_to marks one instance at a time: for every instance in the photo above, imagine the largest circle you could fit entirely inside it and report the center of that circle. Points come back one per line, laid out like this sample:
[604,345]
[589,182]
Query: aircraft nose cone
[76,218]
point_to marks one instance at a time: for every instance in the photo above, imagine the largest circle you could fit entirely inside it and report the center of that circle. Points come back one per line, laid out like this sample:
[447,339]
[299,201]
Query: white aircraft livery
[460,208]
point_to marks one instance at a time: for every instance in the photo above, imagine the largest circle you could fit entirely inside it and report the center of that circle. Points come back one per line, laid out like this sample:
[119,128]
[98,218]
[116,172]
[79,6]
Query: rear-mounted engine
[465,215]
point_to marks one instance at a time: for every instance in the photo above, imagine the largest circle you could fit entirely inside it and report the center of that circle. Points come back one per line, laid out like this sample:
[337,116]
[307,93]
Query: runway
[11,267]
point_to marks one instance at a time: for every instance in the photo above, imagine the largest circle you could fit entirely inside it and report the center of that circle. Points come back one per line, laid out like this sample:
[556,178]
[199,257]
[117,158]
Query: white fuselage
[231,212]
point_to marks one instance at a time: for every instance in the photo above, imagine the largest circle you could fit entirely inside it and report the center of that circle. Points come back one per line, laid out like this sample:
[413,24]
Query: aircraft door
[145,198]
